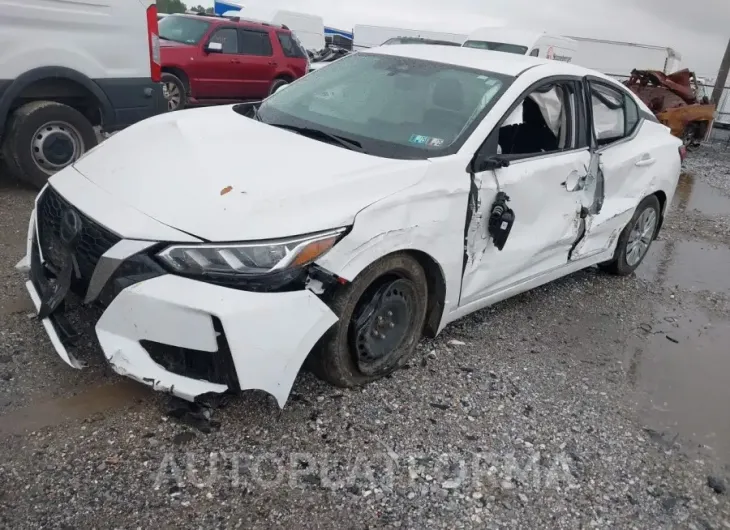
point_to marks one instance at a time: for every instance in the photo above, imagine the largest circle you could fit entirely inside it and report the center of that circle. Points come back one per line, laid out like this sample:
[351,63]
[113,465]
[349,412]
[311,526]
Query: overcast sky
[698,29]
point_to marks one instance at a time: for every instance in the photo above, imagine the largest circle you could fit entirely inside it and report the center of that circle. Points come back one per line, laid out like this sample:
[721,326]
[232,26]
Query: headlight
[237,260]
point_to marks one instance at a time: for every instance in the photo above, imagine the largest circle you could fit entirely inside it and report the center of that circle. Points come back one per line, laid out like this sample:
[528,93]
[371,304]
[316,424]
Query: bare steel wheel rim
[56,145]
[382,323]
[641,236]
[172,94]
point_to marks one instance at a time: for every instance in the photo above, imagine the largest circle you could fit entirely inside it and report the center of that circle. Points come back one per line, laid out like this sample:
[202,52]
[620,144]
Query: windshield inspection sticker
[435,142]
[418,139]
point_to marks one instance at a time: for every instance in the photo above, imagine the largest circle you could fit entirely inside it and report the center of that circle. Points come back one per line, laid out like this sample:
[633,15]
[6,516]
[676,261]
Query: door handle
[646,160]
[273,63]
[235,61]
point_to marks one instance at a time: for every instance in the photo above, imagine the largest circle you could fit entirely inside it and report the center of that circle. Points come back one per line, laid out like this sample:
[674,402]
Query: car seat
[446,119]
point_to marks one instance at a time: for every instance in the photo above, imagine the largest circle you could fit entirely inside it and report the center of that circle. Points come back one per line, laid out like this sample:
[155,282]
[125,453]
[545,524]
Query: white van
[523,43]
[308,29]
[68,67]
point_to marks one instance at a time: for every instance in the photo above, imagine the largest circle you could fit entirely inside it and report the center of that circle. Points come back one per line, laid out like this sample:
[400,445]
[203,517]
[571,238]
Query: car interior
[538,125]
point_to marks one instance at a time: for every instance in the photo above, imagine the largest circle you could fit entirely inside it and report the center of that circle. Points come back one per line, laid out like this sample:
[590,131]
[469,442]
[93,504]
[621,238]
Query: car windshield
[391,106]
[186,30]
[496,46]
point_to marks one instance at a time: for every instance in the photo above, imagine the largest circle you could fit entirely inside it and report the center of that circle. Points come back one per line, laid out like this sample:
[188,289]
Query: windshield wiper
[347,143]
[163,38]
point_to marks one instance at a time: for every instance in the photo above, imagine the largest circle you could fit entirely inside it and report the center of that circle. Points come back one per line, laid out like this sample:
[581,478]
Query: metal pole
[721,77]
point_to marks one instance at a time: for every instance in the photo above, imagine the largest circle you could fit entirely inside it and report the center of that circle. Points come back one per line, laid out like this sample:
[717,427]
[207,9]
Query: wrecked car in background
[674,100]
[420,184]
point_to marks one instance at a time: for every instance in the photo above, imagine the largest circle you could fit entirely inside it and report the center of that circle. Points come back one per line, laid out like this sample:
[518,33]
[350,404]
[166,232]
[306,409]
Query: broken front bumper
[184,336]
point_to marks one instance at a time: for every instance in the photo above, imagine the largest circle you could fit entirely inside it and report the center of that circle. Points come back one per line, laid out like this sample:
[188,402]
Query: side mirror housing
[214,47]
[490,163]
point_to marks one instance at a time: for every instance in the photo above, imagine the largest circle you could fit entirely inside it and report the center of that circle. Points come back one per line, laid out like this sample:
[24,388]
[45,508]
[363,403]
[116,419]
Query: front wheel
[381,317]
[635,240]
[43,137]
[174,91]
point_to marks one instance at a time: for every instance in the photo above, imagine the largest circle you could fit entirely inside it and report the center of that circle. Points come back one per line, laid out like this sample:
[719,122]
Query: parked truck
[616,58]
[373,36]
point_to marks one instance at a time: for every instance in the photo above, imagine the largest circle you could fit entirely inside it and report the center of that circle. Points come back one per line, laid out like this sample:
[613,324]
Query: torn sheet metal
[269,334]
[547,223]
[61,350]
[427,219]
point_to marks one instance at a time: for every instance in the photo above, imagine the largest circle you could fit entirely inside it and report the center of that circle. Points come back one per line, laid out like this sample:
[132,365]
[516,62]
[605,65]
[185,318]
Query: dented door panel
[547,221]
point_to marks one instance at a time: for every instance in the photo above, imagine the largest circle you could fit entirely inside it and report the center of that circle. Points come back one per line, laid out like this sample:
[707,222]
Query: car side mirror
[214,47]
[490,163]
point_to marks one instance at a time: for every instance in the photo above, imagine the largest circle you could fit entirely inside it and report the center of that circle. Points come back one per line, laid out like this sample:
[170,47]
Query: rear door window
[615,113]
[252,42]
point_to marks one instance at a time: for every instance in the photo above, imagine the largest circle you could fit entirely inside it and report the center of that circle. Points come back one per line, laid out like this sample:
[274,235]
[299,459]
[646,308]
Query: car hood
[220,176]
[173,44]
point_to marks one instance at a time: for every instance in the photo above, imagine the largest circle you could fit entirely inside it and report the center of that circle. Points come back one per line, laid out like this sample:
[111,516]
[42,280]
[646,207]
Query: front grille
[93,242]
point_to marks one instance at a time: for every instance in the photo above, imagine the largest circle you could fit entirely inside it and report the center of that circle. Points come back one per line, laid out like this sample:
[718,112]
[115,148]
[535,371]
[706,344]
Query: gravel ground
[538,412]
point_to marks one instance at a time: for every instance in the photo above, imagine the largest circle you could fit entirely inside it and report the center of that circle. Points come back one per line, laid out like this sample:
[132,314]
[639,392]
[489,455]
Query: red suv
[207,59]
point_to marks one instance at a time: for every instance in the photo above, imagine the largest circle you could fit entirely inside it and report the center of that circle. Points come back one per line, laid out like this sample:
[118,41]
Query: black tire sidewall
[276,84]
[336,362]
[24,123]
[621,265]
[172,78]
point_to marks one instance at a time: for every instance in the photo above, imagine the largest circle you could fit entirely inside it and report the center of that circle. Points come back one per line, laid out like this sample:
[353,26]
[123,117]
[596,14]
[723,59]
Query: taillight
[154,41]
[682,153]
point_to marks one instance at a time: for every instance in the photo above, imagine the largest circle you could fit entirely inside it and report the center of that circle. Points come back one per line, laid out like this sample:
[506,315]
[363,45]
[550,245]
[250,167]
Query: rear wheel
[381,317]
[43,137]
[174,91]
[635,240]
[277,84]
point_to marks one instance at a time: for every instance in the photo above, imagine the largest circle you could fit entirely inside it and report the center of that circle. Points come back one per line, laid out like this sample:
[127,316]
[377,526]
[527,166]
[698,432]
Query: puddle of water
[684,378]
[693,194]
[692,265]
[122,394]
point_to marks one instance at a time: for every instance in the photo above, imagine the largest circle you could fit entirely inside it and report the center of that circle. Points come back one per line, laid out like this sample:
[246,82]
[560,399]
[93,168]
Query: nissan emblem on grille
[70,228]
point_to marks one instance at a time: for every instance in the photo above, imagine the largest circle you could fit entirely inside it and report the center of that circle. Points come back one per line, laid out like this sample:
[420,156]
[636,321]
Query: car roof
[234,20]
[510,64]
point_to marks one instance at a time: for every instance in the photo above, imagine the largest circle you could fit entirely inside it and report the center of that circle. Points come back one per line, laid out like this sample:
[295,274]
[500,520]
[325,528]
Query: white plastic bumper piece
[269,334]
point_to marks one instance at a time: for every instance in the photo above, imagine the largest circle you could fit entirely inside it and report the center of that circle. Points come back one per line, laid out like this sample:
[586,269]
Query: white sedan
[361,207]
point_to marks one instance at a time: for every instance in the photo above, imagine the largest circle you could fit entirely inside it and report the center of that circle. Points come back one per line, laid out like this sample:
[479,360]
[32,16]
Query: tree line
[177,6]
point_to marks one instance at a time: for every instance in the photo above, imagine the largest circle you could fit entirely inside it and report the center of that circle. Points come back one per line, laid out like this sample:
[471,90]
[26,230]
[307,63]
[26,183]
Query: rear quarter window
[290,46]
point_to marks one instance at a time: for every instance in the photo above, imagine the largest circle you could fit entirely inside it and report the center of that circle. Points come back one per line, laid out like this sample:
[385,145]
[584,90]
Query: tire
[277,84]
[173,87]
[335,359]
[42,128]
[620,264]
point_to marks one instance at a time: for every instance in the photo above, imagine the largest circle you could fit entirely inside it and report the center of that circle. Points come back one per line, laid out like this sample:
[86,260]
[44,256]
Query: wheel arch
[53,83]
[286,76]
[662,197]
[180,74]
[436,282]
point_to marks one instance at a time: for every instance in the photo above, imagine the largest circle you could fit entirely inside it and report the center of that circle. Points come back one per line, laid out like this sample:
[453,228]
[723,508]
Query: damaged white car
[369,203]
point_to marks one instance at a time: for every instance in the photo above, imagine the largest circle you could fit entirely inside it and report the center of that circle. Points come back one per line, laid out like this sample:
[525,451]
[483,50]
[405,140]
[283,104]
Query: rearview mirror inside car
[214,47]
